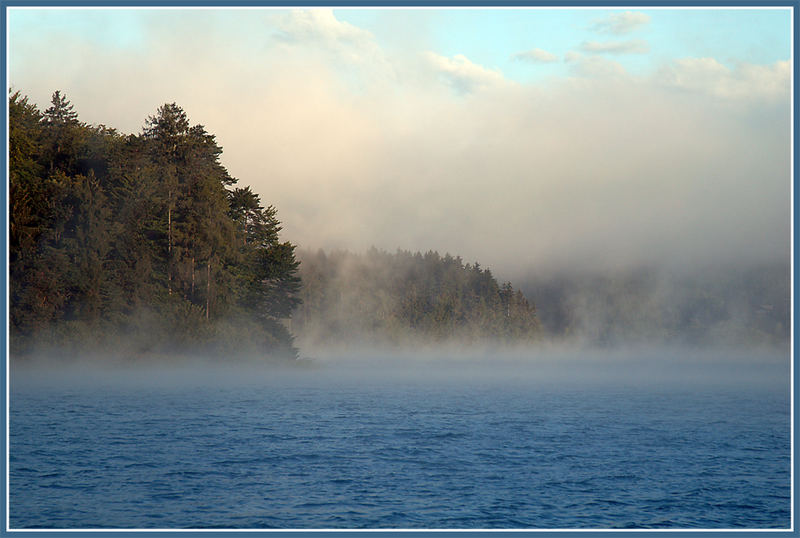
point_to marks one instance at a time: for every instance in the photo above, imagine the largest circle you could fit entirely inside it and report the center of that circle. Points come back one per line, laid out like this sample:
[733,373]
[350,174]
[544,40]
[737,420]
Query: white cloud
[593,66]
[536,56]
[463,75]
[745,81]
[320,25]
[635,46]
[621,23]
[317,31]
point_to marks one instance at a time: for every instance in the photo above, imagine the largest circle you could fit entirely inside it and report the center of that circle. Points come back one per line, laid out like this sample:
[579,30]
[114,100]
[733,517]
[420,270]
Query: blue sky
[517,137]
[492,37]
[487,37]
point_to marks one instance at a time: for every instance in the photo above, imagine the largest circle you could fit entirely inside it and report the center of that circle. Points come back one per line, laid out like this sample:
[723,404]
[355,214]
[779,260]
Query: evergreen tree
[65,135]
[28,213]
[165,132]
[382,297]
[139,235]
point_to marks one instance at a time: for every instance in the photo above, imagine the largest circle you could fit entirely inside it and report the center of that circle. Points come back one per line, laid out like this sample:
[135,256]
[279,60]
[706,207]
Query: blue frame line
[6,4]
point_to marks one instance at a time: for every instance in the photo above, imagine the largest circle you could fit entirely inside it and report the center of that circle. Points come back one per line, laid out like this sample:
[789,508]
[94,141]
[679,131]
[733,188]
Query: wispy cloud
[320,25]
[745,81]
[634,46]
[319,41]
[320,30]
[620,23]
[593,66]
[463,75]
[536,56]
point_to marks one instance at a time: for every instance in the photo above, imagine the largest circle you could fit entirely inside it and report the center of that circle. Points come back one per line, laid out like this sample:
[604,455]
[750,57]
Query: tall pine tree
[139,235]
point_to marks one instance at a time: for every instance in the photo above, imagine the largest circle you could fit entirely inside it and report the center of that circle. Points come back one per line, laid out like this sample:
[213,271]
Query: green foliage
[381,297]
[141,237]
[28,206]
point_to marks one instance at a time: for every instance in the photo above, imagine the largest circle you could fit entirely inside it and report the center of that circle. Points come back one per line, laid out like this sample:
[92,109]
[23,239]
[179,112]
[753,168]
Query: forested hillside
[384,298]
[139,243]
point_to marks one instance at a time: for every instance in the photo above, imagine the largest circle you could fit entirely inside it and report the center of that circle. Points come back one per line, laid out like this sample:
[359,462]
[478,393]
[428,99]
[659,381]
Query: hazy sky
[520,138]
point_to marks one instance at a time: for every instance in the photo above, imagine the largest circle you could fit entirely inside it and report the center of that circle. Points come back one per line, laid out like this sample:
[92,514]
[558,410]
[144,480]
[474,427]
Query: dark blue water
[307,450]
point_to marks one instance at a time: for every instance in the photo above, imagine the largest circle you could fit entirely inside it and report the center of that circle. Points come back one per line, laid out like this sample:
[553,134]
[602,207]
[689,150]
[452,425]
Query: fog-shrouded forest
[742,306]
[144,244]
[380,298]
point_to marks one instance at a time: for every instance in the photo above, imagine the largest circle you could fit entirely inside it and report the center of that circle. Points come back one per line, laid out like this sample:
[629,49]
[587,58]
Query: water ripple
[398,457]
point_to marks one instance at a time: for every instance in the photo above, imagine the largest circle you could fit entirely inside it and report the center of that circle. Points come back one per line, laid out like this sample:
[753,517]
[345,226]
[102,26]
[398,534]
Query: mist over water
[638,408]
[456,438]
[555,365]
[638,374]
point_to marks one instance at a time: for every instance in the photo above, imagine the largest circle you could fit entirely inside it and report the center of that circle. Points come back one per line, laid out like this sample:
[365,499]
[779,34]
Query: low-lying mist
[552,366]
[642,327]
[745,305]
[408,301]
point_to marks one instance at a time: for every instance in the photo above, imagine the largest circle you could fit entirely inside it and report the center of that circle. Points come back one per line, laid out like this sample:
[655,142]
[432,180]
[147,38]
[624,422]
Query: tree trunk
[208,287]
[169,243]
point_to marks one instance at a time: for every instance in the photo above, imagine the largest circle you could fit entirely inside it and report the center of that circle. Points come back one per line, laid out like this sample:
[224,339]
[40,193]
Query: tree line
[381,297]
[140,242]
[145,244]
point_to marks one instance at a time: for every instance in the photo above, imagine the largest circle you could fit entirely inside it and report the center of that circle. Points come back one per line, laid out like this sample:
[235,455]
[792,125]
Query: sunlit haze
[400,268]
[527,139]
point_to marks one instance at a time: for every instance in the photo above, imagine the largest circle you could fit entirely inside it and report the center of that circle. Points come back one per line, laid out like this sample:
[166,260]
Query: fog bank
[553,367]
[740,305]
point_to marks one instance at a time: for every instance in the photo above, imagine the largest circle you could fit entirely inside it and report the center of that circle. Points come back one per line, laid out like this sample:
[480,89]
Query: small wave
[52,475]
[23,470]
[319,504]
[74,487]
[165,496]
[141,465]
[184,474]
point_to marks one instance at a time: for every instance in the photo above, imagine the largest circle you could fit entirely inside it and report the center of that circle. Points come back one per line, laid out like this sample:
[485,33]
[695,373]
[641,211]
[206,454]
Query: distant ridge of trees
[379,298]
[724,305]
[139,243]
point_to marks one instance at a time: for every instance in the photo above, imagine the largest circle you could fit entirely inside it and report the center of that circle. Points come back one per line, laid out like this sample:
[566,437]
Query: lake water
[458,447]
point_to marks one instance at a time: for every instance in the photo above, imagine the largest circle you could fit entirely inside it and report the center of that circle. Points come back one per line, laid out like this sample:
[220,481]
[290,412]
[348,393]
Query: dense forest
[139,243]
[383,298]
